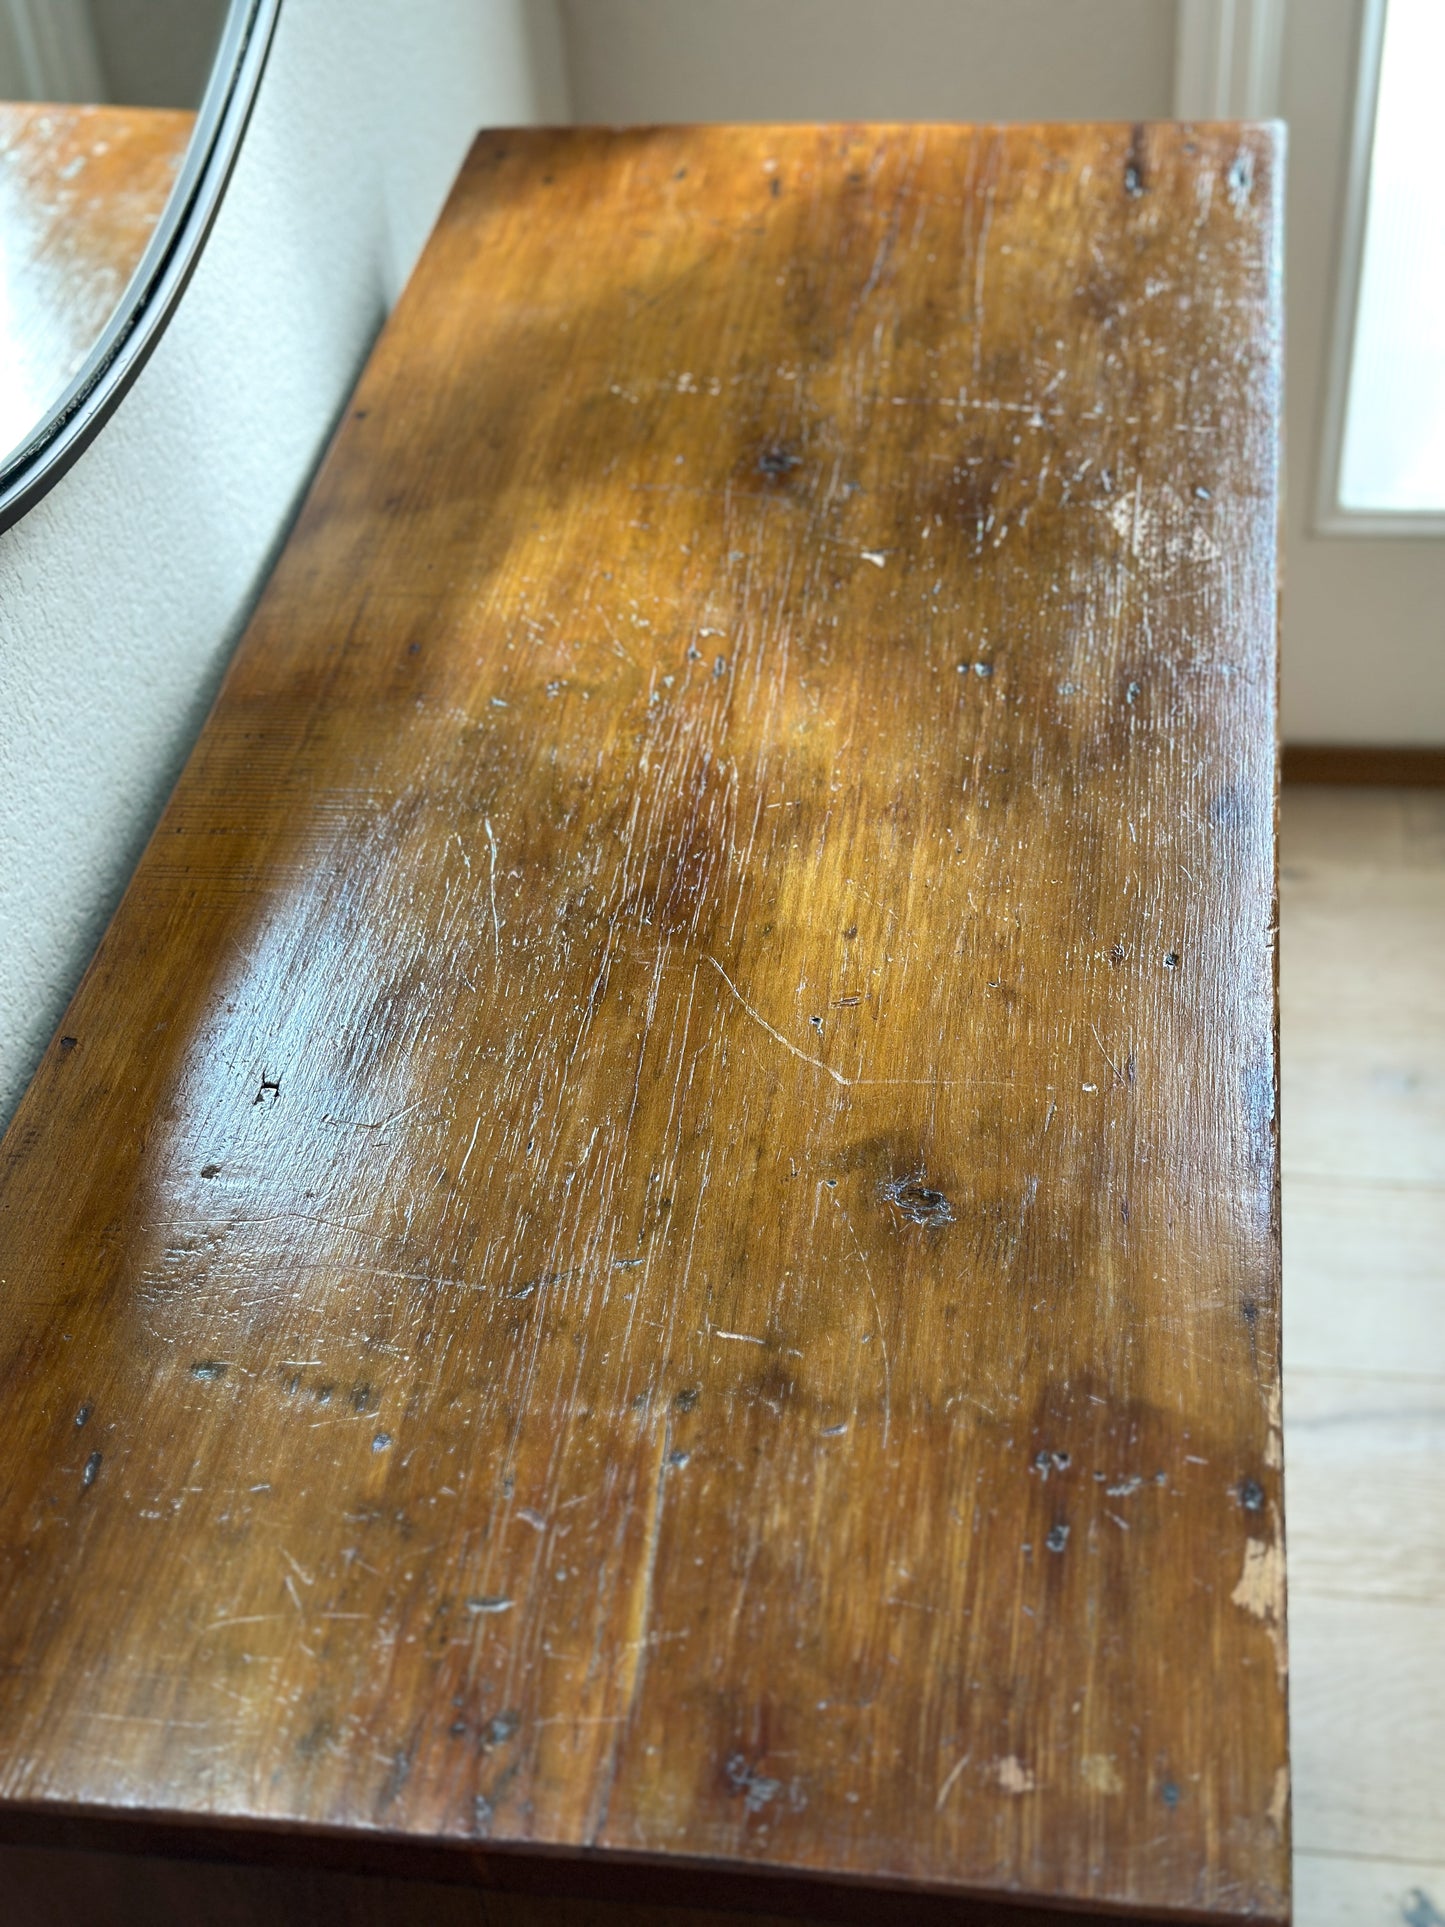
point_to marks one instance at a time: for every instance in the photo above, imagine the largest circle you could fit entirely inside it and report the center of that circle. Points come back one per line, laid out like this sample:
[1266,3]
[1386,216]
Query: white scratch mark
[950,1782]
[492,884]
[847,1083]
[150,1719]
[306,1578]
[878,1320]
[380,1124]
[470,1148]
[777,1035]
[979,266]
[1107,1058]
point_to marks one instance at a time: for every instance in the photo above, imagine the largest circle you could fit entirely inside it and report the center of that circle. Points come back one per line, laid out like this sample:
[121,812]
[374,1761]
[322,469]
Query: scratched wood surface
[653,1236]
[81,191]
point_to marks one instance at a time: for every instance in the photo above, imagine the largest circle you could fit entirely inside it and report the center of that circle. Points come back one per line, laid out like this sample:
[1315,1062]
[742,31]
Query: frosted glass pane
[1394,452]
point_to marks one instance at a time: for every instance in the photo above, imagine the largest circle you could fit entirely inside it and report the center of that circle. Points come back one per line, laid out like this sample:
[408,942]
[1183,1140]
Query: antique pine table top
[652,1242]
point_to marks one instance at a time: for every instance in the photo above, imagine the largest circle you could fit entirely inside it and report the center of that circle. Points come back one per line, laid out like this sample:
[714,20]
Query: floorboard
[1362,877]
[1351,1890]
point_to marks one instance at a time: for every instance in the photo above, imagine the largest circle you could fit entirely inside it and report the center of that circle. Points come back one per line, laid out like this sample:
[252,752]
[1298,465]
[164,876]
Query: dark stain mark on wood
[757,1789]
[920,1203]
[778,461]
[1136,179]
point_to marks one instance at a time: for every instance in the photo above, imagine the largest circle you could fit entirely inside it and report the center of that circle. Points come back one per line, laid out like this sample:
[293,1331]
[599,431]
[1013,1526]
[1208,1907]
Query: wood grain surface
[652,1241]
[81,191]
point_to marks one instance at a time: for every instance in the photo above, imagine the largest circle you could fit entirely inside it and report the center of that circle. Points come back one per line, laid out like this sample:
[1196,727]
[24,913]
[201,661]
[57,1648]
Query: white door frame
[1227,59]
[1330,516]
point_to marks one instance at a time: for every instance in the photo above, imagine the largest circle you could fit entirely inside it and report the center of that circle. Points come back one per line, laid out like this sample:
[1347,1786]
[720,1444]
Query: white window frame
[1331,516]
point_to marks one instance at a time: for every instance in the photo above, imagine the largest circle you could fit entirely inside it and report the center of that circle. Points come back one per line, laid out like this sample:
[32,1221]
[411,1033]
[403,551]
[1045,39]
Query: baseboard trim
[1406,766]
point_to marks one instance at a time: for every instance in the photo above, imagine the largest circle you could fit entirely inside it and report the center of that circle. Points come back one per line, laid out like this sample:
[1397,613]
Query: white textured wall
[122,593]
[650,60]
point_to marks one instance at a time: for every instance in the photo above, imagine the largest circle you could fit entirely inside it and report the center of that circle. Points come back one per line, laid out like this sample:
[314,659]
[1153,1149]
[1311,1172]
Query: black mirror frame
[165,268]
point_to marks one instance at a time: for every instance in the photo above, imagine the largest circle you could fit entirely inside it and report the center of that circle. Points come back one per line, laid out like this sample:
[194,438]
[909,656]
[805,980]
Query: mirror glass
[98,104]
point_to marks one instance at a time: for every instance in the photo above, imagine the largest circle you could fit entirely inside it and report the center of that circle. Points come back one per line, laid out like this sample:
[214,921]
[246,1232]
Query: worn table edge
[547,1869]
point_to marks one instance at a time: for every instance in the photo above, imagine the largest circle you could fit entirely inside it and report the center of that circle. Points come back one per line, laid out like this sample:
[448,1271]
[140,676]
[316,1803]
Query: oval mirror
[120,121]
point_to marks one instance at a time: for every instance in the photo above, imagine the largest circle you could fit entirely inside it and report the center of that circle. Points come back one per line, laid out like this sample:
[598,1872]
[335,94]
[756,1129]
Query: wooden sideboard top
[653,1237]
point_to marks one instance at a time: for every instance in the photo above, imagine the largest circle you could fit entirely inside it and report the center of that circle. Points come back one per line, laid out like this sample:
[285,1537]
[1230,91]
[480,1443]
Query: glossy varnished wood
[653,1237]
[81,191]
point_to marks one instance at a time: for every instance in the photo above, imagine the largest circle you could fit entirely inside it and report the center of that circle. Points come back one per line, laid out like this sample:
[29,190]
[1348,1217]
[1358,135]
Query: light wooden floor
[1362,978]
